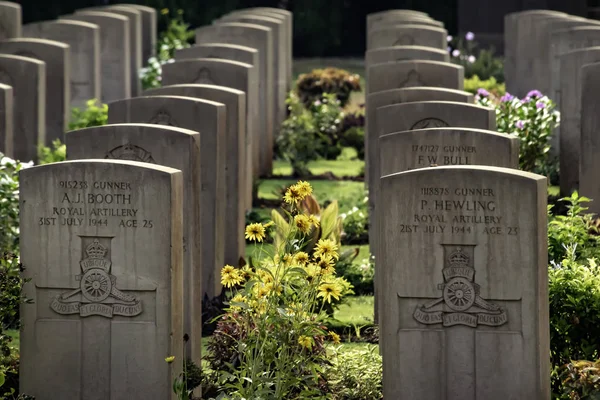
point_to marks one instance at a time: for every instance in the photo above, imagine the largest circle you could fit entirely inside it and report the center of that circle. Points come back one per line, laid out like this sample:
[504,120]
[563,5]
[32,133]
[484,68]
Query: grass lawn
[340,168]
[357,311]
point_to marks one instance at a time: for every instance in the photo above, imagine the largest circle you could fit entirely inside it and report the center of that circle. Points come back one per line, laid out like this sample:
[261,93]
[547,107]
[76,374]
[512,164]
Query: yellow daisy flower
[326,247]
[329,291]
[306,342]
[287,259]
[302,223]
[304,188]
[246,272]
[292,195]
[230,276]
[255,232]
[301,258]
[170,359]
[164,11]
[314,220]
[326,264]
[335,338]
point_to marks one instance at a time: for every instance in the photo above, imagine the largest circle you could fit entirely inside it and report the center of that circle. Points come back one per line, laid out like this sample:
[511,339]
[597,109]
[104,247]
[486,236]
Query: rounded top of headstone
[210,61]
[399,22]
[466,169]
[72,22]
[96,14]
[243,25]
[273,9]
[139,7]
[99,163]
[9,4]
[21,59]
[37,42]
[417,91]
[409,48]
[226,46]
[249,17]
[165,97]
[576,52]
[449,129]
[132,126]
[191,86]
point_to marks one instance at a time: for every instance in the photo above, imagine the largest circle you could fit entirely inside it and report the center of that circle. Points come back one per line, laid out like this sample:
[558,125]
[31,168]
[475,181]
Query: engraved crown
[128,152]
[96,250]
[458,259]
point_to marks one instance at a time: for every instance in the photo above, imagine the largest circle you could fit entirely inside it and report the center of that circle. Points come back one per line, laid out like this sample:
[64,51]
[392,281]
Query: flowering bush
[177,36]
[312,86]
[531,119]
[581,380]
[356,223]
[58,152]
[482,63]
[308,134]
[473,84]
[356,375]
[270,342]
[95,114]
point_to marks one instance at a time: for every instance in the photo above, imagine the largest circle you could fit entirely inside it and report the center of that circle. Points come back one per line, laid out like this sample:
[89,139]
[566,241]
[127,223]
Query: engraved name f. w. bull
[460,303]
[97,293]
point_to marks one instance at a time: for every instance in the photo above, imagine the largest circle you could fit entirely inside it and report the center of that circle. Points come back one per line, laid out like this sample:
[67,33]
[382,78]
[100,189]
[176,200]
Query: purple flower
[534,93]
[471,59]
[455,53]
[525,100]
[470,36]
[540,104]
[483,92]
[520,124]
[449,38]
[449,49]
[507,97]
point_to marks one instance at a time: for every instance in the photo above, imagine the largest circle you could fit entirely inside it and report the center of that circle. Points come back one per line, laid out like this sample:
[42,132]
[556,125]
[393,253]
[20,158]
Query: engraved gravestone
[83,39]
[57,57]
[403,74]
[464,259]
[380,17]
[102,241]
[6,120]
[260,38]
[10,20]
[405,53]
[225,73]
[407,35]
[207,118]
[238,192]
[570,113]
[279,62]
[399,21]
[115,68]
[27,77]
[589,163]
[409,116]
[172,147]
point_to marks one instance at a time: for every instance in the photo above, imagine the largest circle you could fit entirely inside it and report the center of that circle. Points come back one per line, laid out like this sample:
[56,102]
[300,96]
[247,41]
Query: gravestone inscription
[102,240]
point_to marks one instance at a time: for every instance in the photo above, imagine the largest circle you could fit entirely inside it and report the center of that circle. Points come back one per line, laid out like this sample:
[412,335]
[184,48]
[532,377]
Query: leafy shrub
[356,375]
[177,36]
[482,63]
[474,83]
[353,132]
[531,119]
[96,114]
[270,342]
[312,86]
[576,231]
[309,134]
[58,152]
[9,203]
[360,275]
[356,223]
[581,380]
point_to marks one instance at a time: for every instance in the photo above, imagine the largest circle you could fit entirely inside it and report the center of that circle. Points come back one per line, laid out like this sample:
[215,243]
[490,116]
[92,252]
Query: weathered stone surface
[6,120]
[407,35]
[11,20]
[240,76]
[589,163]
[207,118]
[115,68]
[570,113]
[175,148]
[83,39]
[56,56]
[405,53]
[519,49]
[238,191]
[260,38]
[286,18]
[289,18]
[226,51]
[27,77]
[149,33]
[108,296]
[378,18]
[403,74]
[562,42]
[277,26]
[465,274]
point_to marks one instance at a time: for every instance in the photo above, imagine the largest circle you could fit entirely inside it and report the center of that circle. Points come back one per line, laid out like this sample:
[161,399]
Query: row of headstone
[141,245]
[545,50]
[53,66]
[454,263]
